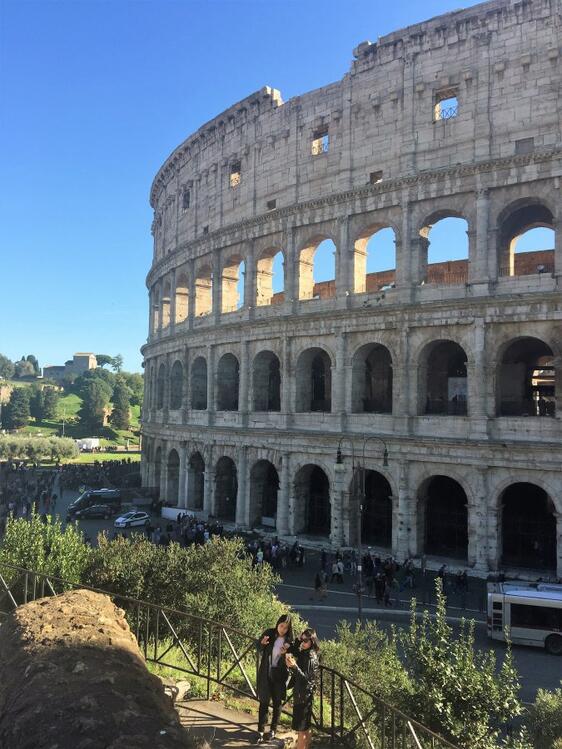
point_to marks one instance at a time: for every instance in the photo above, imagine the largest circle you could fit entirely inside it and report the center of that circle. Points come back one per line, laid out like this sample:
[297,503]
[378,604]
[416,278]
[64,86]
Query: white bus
[531,614]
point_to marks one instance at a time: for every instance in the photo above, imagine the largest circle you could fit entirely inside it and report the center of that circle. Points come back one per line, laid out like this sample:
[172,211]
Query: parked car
[96,511]
[90,497]
[132,519]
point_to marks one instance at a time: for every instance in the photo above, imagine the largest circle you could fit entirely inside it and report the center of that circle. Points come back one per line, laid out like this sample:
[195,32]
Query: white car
[132,519]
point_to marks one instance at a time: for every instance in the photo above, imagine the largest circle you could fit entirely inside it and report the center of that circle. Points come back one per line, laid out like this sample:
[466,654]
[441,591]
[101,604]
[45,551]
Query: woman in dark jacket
[305,671]
[272,673]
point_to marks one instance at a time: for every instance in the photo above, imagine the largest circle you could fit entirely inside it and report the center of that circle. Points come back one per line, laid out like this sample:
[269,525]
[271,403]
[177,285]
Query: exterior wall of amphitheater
[247,184]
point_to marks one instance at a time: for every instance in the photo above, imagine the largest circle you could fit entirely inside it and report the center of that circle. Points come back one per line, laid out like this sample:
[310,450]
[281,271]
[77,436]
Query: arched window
[165,306]
[199,384]
[267,382]
[228,375]
[443,380]
[270,278]
[314,381]
[196,482]
[264,486]
[312,507]
[446,248]
[176,386]
[182,298]
[372,380]
[526,379]
[372,491]
[160,386]
[443,513]
[317,270]
[226,489]
[526,239]
[374,267]
[528,527]
[204,291]
[173,478]
[233,284]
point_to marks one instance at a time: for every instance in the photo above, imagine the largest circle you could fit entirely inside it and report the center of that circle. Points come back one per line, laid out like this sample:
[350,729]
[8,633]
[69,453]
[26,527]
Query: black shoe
[271,735]
[260,738]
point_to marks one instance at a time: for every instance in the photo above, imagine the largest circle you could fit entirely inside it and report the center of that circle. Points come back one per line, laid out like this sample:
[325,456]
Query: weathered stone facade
[245,408]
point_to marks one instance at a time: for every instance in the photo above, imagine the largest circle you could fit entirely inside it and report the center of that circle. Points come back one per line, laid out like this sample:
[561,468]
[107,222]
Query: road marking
[375,612]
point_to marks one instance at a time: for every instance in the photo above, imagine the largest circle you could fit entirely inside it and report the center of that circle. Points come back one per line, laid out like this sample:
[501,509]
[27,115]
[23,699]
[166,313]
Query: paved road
[536,668]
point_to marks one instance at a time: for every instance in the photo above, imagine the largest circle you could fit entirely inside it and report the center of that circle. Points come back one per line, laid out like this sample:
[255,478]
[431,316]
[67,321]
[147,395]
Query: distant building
[81,362]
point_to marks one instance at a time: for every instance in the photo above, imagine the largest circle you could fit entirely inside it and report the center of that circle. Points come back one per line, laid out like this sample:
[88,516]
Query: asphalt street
[536,667]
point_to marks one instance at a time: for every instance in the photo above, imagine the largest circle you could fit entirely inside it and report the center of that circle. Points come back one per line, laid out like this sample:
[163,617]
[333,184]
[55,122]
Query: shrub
[545,719]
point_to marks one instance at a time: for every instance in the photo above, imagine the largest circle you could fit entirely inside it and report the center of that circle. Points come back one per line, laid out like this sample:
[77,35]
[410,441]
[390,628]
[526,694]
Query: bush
[545,720]
[36,449]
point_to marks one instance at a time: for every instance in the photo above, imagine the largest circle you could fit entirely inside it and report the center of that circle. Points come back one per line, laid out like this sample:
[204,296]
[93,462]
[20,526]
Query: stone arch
[526,380]
[176,385]
[226,489]
[375,493]
[195,481]
[270,277]
[266,383]
[371,382]
[445,249]
[173,477]
[314,381]
[528,527]
[443,517]
[228,383]
[165,304]
[442,385]
[516,219]
[204,291]
[378,239]
[308,287]
[182,297]
[199,384]
[232,283]
[264,489]
[160,386]
[312,506]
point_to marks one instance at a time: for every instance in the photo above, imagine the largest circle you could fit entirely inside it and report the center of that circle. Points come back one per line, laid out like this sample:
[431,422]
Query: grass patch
[92,457]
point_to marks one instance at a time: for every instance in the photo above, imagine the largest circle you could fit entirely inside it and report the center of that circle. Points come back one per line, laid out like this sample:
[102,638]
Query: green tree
[51,398]
[95,395]
[458,691]
[545,719]
[117,363]
[34,363]
[103,360]
[135,383]
[16,413]
[36,402]
[120,416]
[94,374]
[7,368]
[22,447]
[24,368]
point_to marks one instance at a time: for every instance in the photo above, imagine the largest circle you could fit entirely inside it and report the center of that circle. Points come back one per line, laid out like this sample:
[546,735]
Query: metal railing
[226,657]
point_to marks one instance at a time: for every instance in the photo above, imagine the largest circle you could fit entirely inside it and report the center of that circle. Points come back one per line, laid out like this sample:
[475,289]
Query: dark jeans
[276,697]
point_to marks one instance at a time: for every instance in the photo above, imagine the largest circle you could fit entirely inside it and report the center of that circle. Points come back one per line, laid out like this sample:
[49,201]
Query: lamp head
[385,457]
[339,457]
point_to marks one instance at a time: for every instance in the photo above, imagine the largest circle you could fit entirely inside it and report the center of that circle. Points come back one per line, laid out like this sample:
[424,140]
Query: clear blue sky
[94,95]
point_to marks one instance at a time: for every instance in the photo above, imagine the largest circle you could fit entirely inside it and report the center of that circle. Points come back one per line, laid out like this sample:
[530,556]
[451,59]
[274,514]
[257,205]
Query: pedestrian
[305,670]
[272,673]
[320,585]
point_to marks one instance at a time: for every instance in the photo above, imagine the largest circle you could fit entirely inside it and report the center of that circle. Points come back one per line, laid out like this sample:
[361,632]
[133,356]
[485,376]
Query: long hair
[286,619]
[313,637]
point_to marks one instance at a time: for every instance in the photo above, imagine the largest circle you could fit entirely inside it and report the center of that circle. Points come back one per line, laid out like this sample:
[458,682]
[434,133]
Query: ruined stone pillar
[283,496]
[250,283]
[557,226]
[287,376]
[404,517]
[216,290]
[476,518]
[191,295]
[340,383]
[493,528]
[210,384]
[172,300]
[403,257]
[478,270]
[209,491]
[344,263]
[186,386]
[242,503]
[558,516]
[337,502]
[182,479]
[477,373]
[244,382]
[164,470]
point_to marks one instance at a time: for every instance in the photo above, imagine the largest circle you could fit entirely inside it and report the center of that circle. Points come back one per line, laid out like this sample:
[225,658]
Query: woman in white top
[272,673]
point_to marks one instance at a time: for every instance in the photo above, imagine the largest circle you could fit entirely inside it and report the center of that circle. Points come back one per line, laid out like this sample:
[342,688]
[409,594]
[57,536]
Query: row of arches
[525,381]
[527,518]
[525,245]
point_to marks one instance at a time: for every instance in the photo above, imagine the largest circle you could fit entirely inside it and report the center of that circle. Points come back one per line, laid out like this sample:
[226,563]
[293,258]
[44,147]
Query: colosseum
[415,407]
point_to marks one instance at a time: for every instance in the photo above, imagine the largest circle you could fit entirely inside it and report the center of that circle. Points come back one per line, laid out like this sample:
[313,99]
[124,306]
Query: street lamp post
[362,499]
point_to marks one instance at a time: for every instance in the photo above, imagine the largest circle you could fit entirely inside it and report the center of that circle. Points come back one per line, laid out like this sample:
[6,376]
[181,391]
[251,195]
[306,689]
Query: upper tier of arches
[367,255]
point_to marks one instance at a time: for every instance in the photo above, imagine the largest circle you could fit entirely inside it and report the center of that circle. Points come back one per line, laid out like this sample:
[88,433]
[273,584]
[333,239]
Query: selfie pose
[272,673]
[304,670]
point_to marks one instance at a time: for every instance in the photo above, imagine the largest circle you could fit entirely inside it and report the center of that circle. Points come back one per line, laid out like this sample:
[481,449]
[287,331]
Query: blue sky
[94,94]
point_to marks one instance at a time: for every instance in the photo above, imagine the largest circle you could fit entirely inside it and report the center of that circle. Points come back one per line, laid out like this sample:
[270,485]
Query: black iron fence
[224,657]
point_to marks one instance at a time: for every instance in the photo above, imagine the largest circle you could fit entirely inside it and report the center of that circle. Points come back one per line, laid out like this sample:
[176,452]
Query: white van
[531,614]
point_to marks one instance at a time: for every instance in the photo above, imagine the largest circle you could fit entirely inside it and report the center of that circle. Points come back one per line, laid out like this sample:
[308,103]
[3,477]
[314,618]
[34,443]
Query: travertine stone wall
[389,163]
